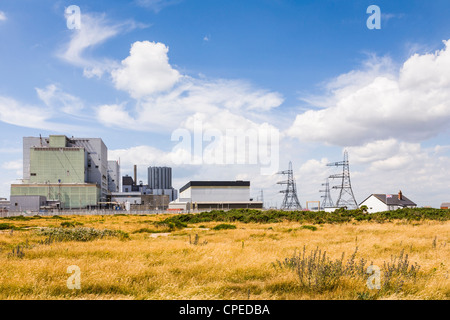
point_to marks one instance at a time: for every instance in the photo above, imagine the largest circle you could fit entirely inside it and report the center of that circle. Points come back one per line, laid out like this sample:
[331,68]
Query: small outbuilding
[445,205]
[386,202]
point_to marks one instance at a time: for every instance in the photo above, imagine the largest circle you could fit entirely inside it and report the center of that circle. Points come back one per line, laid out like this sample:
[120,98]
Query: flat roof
[237,183]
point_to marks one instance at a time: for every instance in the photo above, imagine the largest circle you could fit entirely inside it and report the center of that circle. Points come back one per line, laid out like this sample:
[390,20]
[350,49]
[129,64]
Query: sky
[235,90]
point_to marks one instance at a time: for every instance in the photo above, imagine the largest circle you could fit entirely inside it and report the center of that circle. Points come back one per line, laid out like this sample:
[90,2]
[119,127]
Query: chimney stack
[135,174]
[400,195]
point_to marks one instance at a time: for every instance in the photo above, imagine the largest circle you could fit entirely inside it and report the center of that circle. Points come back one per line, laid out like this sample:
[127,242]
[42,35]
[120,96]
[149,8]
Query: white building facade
[386,202]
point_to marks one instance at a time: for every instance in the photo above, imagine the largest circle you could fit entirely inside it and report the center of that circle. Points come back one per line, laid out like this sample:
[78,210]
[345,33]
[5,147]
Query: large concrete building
[69,172]
[159,178]
[159,183]
[113,176]
[222,195]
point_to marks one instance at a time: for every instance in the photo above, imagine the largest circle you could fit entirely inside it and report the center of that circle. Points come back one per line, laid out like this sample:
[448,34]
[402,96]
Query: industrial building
[209,195]
[160,182]
[27,203]
[68,172]
[155,195]
[4,205]
[113,176]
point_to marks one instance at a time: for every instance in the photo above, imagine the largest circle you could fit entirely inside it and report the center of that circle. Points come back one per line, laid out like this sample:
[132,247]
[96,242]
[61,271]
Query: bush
[171,224]
[68,224]
[145,230]
[81,234]
[19,218]
[59,217]
[312,228]
[6,226]
[341,215]
[224,226]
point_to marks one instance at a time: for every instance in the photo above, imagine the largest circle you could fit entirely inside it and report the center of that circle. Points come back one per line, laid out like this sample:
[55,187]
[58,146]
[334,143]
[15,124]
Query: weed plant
[319,273]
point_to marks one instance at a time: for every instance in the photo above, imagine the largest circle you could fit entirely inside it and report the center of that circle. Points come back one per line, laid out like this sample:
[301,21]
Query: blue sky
[138,71]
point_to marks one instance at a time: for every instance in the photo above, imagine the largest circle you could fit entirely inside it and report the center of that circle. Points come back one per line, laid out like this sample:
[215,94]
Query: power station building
[221,195]
[68,172]
[160,182]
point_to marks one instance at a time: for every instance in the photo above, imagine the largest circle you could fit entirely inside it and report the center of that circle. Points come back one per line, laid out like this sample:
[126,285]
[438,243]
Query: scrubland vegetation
[239,254]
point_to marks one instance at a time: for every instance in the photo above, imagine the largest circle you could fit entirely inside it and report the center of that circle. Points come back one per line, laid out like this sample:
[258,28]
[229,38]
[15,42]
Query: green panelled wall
[71,196]
[57,165]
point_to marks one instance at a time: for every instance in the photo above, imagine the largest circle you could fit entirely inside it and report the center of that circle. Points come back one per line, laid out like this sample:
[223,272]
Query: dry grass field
[253,261]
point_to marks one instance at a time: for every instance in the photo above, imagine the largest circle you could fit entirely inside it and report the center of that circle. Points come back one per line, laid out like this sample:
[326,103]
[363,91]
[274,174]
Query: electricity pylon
[327,201]
[290,201]
[346,197]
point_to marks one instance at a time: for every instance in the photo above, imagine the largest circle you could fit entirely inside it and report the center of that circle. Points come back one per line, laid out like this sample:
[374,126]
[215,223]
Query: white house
[386,202]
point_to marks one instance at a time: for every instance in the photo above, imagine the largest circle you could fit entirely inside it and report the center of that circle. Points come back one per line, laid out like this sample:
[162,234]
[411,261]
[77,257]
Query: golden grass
[234,264]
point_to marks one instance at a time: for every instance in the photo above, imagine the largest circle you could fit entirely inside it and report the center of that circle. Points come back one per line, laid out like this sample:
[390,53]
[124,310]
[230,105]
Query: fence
[99,212]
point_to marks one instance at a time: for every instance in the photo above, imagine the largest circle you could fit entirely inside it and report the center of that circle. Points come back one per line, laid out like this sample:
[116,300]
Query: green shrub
[171,224]
[19,218]
[312,228]
[224,226]
[145,230]
[68,224]
[59,217]
[80,234]
[6,226]
[341,215]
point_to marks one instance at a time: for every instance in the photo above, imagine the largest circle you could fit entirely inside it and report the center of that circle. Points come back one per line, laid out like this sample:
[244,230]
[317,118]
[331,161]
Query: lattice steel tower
[346,197]
[327,201]
[290,201]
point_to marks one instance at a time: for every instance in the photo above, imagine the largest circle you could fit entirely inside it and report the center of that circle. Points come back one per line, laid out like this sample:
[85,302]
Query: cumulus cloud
[95,30]
[2,16]
[146,70]
[411,104]
[165,99]
[392,165]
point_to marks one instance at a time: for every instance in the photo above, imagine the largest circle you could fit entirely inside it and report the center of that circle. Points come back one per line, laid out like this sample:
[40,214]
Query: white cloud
[15,165]
[13,112]
[54,97]
[95,30]
[2,16]
[412,104]
[166,99]
[116,115]
[30,116]
[146,70]
[157,5]
[394,165]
